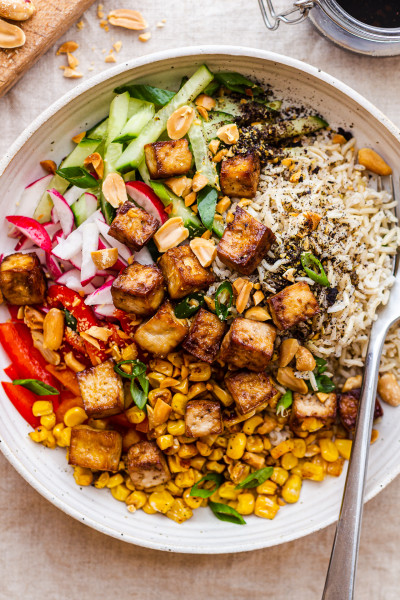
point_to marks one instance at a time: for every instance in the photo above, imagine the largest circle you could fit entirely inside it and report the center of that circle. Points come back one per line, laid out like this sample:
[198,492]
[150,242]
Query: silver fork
[340,579]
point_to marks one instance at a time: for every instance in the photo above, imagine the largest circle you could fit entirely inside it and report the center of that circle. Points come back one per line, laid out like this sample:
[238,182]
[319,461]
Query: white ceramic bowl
[48,137]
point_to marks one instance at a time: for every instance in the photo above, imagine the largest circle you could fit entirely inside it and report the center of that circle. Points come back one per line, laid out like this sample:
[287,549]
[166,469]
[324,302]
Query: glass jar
[333,22]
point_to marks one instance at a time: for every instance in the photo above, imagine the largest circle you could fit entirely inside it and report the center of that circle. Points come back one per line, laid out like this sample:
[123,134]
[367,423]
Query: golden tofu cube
[138,289]
[307,406]
[95,449]
[244,243]
[162,333]
[240,175]
[168,159]
[249,390]
[146,465]
[292,305]
[183,272]
[205,335]
[102,391]
[133,226]
[248,344]
[203,417]
[22,280]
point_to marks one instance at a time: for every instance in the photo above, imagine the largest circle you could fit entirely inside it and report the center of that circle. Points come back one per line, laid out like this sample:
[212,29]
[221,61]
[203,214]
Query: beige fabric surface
[46,554]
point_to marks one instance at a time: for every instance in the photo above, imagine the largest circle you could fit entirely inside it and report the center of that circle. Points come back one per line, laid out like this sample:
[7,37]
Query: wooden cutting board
[50,21]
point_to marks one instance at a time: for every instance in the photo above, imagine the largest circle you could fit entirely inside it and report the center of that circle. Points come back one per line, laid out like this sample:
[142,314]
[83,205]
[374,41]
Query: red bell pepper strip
[12,372]
[60,295]
[67,378]
[126,322]
[23,400]
[30,364]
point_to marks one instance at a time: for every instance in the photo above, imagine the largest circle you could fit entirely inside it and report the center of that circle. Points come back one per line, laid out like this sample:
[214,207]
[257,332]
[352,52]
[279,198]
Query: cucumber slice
[99,131]
[233,106]
[85,206]
[204,164]
[190,219]
[137,121]
[216,119]
[116,121]
[75,159]
[294,128]
[134,154]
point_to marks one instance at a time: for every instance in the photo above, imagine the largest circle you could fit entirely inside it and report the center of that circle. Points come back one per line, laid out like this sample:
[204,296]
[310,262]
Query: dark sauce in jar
[378,13]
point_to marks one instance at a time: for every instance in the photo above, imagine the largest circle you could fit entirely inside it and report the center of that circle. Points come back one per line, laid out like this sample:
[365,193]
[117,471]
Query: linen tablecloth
[46,554]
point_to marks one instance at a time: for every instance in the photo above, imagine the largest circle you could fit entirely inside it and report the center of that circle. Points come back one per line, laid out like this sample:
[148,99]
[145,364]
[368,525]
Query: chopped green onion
[189,305]
[256,478]
[309,260]
[201,493]
[223,512]
[284,403]
[324,384]
[70,320]
[321,366]
[139,396]
[36,386]
[222,308]
[78,176]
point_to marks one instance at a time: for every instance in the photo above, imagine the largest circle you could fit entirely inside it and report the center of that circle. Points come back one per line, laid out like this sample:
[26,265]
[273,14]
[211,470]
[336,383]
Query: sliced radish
[29,199]
[123,250]
[104,310]
[33,230]
[53,266]
[24,243]
[52,229]
[72,279]
[72,195]
[54,216]
[144,257]
[69,247]
[64,213]
[102,295]
[90,242]
[147,199]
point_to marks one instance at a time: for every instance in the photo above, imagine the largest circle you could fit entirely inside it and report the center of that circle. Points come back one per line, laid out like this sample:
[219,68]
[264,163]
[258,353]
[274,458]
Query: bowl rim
[196,52]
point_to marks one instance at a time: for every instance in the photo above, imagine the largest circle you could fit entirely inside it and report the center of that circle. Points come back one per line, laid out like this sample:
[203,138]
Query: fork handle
[339,584]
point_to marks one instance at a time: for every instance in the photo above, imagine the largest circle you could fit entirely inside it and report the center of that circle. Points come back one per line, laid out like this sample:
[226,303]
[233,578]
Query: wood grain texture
[51,20]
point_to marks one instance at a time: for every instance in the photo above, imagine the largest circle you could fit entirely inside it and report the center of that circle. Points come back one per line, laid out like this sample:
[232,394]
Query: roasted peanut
[171,234]
[229,133]
[11,36]
[287,378]
[389,389]
[53,329]
[179,122]
[352,383]
[205,250]
[17,10]
[257,313]
[305,360]
[373,162]
[287,351]
[114,189]
[125,17]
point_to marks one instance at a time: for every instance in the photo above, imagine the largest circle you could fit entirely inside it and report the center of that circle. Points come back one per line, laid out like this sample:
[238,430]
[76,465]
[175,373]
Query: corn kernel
[173,488]
[238,472]
[254,460]
[129,484]
[344,447]
[329,451]
[200,371]
[245,503]
[196,389]
[48,421]
[279,475]
[265,507]
[221,442]
[268,488]
[149,510]
[291,489]
[289,461]
[161,366]
[267,443]
[222,395]
[75,416]
[115,480]
[176,427]
[50,441]
[135,415]
[120,492]
[236,446]
[334,469]
[187,451]
[185,479]
[179,512]
[191,501]
[137,499]
[299,448]
[155,379]
[178,403]
[203,449]
[251,424]
[42,408]
[165,441]
[39,435]
[65,437]
[198,462]
[254,444]
[175,464]
[83,476]
[102,481]
[100,424]
[313,471]
[282,448]
[182,387]
[215,466]
[161,501]
[227,491]
[57,431]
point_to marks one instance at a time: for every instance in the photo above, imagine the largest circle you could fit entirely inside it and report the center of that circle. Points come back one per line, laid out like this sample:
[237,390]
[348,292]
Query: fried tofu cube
[183,272]
[348,408]
[292,305]
[240,175]
[133,226]
[146,465]
[203,417]
[95,449]
[248,344]
[244,243]
[102,390]
[249,390]
[22,280]
[309,414]
[168,159]
[205,335]
[162,333]
[138,289]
